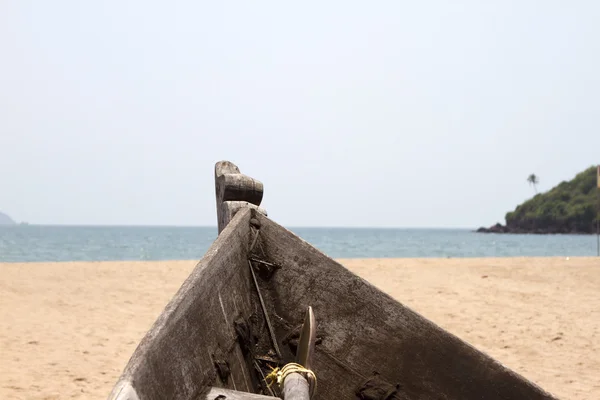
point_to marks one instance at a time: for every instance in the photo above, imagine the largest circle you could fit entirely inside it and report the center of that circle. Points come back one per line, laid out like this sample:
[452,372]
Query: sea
[27,243]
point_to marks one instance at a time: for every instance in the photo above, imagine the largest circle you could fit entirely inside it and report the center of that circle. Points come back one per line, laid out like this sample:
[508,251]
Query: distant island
[6,220]
[569,207]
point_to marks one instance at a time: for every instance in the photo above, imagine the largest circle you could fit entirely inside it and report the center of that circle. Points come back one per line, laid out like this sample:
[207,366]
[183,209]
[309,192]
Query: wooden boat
[251,304]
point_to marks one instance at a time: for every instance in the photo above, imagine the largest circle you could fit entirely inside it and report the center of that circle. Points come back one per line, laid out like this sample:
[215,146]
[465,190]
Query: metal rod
[264,262]
[264,308]
[295,387]
[222,393]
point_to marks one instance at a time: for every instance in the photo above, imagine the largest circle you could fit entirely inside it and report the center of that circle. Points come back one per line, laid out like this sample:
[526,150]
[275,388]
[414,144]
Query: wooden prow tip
[235,191]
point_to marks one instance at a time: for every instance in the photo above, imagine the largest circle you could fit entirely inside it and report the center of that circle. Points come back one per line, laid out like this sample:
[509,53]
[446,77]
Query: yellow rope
[279,375]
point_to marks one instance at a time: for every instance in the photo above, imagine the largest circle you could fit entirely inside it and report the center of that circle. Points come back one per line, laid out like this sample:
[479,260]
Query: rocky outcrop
[6,220]
[498,228]
[570,207]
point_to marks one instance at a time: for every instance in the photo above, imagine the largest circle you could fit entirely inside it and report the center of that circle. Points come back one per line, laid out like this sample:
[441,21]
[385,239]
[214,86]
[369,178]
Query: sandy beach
[68,329]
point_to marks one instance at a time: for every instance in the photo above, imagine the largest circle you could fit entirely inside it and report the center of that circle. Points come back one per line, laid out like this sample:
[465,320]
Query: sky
[351,113]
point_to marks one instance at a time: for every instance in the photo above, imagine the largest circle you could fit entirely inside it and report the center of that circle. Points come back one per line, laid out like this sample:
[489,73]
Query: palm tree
[533,181]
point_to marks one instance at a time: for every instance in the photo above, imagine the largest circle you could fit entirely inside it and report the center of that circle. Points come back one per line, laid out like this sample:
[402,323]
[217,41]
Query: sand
[68,329]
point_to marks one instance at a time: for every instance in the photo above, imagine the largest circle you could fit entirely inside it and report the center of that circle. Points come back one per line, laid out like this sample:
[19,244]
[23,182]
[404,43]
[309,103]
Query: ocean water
[79,243]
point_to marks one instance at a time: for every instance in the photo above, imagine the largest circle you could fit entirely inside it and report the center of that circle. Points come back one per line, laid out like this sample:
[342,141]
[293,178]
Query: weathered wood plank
[363,330]
[178,357]
[235,191]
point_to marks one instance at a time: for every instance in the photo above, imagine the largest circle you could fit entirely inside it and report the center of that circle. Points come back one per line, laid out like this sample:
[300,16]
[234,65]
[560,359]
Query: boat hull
[215,331]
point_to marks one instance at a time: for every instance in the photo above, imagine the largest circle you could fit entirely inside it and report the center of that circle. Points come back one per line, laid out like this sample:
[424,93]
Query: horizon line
[85,225]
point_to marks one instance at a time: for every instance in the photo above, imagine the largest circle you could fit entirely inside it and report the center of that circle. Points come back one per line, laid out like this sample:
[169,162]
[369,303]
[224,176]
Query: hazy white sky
[352,113]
